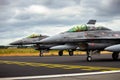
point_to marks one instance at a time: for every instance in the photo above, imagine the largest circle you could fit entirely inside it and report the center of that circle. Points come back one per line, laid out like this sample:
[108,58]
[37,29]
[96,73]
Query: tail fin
[91,22]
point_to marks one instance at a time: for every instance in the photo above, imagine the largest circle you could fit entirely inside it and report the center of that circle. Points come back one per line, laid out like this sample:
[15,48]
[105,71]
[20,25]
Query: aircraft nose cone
[16,43]
[13,43]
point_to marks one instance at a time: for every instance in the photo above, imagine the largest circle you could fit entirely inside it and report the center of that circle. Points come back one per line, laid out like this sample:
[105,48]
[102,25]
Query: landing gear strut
[70,53]
[60,53]
[41,53]
[89,58]
[115,55]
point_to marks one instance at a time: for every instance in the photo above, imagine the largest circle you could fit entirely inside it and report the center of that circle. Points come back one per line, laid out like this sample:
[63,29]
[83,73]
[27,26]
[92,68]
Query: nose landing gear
[41,53]
[89,53]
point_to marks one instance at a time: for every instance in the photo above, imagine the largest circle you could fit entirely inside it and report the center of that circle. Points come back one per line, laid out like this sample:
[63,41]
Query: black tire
[60,53]
[40,55]
[89,58]
[115,56]
[70,53]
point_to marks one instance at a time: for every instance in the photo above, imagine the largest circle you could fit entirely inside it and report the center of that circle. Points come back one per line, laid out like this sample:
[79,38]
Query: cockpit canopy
[78,28]
[81,28]
[34,35]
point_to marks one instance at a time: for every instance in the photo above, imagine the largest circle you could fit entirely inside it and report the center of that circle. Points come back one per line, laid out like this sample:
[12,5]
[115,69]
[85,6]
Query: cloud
[109,8]
[103,10]
[19,18]
[114,24]
[55,4]
[4,2]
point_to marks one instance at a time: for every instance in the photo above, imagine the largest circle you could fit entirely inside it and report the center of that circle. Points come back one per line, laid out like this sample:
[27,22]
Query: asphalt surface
[52,65]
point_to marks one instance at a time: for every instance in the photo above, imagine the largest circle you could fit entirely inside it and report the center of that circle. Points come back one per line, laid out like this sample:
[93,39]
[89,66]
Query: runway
[55,65]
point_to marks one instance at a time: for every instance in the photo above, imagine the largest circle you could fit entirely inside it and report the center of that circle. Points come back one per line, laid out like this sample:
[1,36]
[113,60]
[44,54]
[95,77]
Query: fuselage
[99,38]
[86,36]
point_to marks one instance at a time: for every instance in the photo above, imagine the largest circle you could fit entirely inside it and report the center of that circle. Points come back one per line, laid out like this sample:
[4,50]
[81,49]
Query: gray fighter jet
[31,40]
[87,38]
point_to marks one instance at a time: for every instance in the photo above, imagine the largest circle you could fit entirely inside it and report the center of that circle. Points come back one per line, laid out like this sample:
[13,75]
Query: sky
[21,18]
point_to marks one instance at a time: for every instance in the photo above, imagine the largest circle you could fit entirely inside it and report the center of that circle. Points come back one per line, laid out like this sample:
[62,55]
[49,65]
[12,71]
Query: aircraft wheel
[40,55]
[89,58]
[70,53]
[60,53]
[115,55]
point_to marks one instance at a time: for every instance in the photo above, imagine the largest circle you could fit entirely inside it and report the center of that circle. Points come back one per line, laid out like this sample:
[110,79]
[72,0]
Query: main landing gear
[115,55]
[70,53]
[60,53]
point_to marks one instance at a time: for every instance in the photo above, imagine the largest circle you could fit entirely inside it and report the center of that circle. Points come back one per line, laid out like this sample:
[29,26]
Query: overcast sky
[21,18]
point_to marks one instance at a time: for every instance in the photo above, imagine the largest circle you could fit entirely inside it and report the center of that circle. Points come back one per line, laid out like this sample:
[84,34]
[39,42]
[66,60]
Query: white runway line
[60,75]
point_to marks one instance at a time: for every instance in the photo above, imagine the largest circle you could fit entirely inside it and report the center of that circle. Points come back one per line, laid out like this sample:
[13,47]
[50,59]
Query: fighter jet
[30,40]
[87,37]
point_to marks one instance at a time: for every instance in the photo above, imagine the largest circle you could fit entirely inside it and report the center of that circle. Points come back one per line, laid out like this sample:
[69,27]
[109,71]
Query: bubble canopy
[80,28]
[34,36]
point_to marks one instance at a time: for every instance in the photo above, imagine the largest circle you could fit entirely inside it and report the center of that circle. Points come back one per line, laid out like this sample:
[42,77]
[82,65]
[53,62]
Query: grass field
[32,52]
[18,52]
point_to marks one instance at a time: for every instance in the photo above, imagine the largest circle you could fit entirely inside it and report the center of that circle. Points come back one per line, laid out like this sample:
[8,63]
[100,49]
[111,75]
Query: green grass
[15,50]
[24,52]
[28,52]
[32,52]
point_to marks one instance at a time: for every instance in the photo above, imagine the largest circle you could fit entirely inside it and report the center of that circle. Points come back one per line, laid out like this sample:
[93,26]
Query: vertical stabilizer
[92,22]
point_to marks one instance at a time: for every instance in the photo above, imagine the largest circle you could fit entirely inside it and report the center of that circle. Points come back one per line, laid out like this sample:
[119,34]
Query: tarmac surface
[57,65]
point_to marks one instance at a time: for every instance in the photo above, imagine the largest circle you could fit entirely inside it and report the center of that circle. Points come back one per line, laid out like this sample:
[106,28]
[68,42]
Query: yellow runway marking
[61,66]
